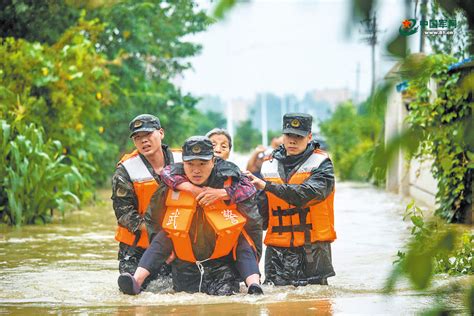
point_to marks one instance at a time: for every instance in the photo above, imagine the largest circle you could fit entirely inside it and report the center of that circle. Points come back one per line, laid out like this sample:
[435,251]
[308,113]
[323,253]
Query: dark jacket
[285,266]
[222,170]
[220,277]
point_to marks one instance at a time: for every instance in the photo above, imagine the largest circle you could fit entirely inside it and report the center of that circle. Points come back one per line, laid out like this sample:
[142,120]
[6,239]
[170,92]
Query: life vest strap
[302,227]
[132,249]
[303,213]
[307,235]
[291,228]
[289,211]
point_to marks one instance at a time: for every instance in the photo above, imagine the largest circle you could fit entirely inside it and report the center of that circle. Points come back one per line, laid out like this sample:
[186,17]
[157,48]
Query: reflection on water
[71,268]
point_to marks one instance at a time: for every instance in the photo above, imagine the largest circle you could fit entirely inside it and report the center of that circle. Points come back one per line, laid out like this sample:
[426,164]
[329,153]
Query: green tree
[350,135]
[204,122]
[36,21]
[144,48]
[273,134]
[83,73]
[144,41]
[246,137]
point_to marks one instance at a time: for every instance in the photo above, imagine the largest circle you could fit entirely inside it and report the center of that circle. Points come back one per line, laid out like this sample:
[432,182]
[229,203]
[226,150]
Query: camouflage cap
[297,123]
[197,147]
[144,123]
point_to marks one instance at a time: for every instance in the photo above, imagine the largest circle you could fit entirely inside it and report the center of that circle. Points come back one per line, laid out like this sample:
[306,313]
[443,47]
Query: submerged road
[71,267]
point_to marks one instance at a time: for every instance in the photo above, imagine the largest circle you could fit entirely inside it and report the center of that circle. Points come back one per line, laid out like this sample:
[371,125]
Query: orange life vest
[226,221]
[291,226]
[144,186]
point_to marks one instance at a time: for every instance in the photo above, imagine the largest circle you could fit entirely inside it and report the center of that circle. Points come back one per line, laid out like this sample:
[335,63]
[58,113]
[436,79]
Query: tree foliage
[350,134]
[63,87]
[246,137]
[144,42]
[204,122]
[83,69]
[445,122]
[36,21]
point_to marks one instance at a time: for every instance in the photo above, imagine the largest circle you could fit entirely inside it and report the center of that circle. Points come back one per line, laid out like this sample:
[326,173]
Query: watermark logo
[408,27]
[429,27]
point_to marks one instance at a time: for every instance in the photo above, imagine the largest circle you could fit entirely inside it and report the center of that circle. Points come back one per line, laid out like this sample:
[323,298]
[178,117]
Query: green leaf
[391,281]
[419,267]
[447,241]
[417,221]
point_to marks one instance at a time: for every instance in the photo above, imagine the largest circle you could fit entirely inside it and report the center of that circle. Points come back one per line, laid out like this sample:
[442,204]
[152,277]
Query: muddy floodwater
[71,268]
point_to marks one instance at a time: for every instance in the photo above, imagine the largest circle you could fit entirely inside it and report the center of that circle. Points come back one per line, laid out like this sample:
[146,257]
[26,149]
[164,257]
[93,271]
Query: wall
[408,178]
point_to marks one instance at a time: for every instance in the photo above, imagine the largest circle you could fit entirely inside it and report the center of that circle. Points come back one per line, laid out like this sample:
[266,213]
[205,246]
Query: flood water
[71,268]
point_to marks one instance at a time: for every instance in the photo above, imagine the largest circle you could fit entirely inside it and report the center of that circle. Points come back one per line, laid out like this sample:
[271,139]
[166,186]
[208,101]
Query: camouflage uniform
[125,204]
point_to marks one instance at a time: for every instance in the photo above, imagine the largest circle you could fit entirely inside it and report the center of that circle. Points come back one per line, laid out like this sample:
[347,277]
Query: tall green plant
[34,181]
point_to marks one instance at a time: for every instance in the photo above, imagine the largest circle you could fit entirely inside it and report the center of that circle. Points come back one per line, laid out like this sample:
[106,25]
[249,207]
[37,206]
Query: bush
[445,123]
[449,248]
[34,181]
[63,88]
[436,247]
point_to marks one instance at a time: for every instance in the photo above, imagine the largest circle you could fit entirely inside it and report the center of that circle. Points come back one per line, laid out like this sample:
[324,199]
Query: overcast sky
[287,47]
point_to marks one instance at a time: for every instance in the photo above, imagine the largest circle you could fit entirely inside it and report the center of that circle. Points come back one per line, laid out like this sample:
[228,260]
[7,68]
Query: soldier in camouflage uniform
[136,178]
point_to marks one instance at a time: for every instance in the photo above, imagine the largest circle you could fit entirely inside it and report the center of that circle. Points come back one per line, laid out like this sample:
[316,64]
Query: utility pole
[423,11]
[230,121]
[356,96]
[284,100]
[371,37]
[263,104]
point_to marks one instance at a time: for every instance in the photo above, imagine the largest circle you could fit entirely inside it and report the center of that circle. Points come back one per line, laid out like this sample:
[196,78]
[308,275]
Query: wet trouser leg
[128,260]
[128,263]
[285,266]
[157,252]
[246,259]
[219,277]
[222,280]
